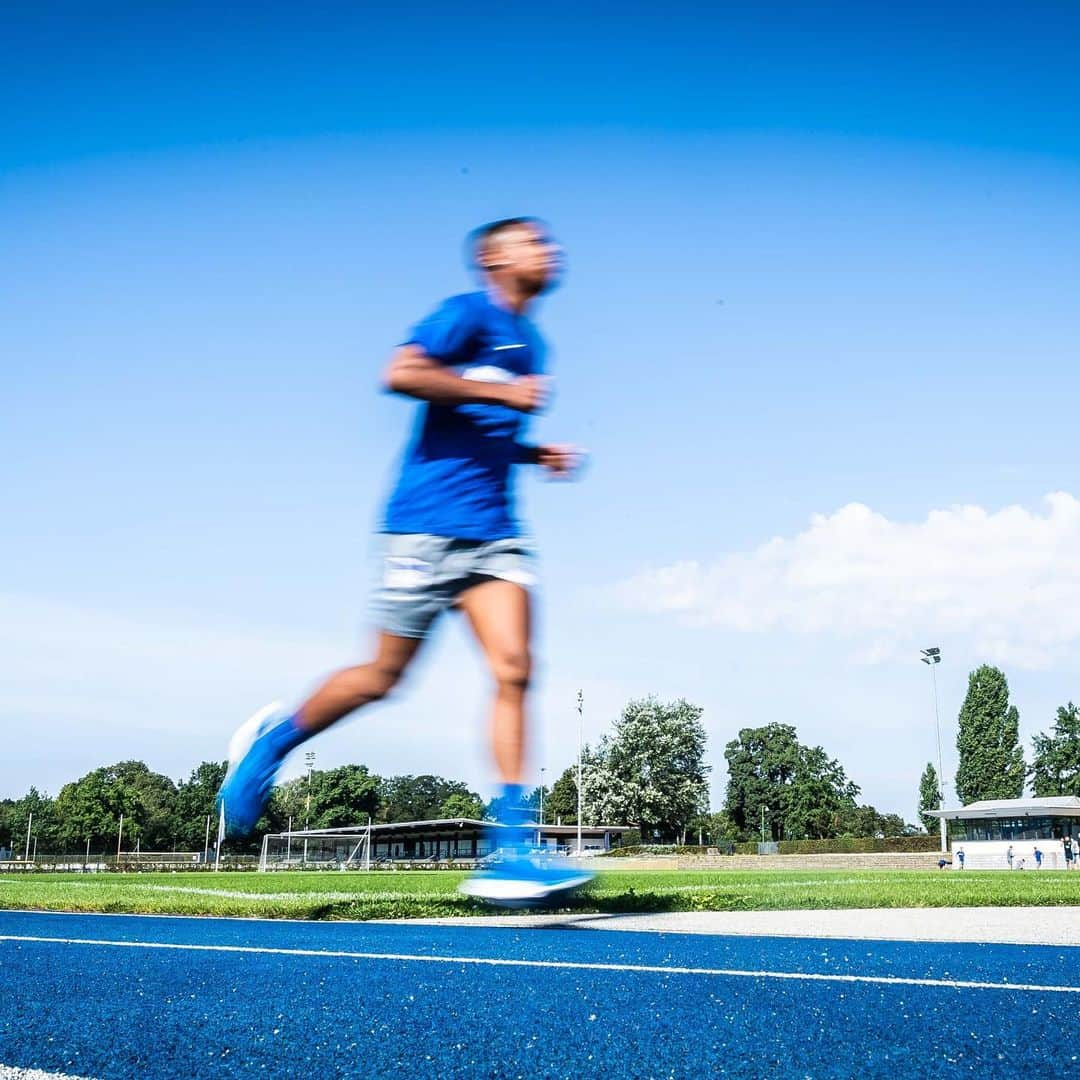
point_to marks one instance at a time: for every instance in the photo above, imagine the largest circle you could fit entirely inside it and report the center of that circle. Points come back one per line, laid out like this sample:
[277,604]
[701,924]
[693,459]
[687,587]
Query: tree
[1055,769]
[929,797]
[716,828]
[895,825]
[538,798]
[195,802]
[560,806]
[651,771]
[820,797]
[35,810]
[418,798]
[325,799]
[991,758]
[868,821]
[344,796]
[497,809]
[799,791]
[462,805]
[90,808]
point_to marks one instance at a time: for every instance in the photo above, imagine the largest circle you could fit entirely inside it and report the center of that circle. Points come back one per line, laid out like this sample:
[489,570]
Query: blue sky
[819,258]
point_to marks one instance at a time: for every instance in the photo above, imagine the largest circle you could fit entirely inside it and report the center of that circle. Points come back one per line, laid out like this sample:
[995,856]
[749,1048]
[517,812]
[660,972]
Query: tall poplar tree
[988,740]
[929,797]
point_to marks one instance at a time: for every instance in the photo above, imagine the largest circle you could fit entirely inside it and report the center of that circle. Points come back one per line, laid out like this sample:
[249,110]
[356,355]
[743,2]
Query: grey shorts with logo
[423,575]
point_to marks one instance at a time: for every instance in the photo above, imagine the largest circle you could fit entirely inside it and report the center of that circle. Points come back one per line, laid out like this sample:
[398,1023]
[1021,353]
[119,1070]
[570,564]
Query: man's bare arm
[413,373]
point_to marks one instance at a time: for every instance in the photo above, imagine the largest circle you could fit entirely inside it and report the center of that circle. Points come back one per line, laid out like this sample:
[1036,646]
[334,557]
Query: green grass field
[414,894]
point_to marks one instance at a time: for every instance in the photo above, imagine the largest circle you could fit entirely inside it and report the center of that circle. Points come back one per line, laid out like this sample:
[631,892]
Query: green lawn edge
[433,894]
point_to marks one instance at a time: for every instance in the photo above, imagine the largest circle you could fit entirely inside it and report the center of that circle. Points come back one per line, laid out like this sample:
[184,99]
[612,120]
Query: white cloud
[1008,581]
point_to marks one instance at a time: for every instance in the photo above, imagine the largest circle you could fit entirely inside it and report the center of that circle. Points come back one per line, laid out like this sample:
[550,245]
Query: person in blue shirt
[451,537]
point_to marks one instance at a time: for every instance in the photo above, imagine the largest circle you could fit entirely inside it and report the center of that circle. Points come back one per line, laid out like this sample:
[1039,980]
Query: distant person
[1067,844]
[942,863]
[960,857]
[1038,859]
[1009,856]
[451,538]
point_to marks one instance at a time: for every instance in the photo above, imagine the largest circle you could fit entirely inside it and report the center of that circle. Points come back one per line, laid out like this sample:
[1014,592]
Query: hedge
[847,845]
[841,845]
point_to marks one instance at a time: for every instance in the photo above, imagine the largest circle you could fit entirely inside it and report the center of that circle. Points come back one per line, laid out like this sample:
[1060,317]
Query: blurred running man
[451,538]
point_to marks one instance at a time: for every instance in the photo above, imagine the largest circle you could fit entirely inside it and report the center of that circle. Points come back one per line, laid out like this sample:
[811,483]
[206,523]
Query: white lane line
[566,965]
[11,1072]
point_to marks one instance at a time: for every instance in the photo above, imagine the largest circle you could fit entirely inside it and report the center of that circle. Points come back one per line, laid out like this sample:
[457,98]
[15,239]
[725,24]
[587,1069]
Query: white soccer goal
[324,850]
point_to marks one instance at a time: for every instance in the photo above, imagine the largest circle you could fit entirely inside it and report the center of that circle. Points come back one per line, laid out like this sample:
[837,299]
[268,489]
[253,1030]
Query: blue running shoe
[254,757]
[520,881]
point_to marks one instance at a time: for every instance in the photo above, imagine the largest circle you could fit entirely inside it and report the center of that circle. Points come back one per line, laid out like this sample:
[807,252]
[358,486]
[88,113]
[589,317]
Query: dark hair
[477,239]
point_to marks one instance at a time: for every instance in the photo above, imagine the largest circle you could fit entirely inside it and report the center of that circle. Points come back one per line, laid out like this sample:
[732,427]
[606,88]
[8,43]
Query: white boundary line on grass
[563,965]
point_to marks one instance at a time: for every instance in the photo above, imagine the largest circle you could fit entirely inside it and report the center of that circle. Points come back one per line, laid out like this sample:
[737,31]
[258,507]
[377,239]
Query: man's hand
[560,461]
[527,394]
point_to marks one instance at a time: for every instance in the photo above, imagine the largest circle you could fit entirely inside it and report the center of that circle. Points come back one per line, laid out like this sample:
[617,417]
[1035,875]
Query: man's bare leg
[352,687]
[500,617]
[499,613]
[260,746]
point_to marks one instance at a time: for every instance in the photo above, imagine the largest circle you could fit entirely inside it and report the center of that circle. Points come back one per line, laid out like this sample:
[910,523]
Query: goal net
[340,850]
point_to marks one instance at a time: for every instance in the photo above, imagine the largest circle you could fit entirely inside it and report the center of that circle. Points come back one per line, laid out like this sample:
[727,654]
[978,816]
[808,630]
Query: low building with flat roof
[461,841]
[1005,834]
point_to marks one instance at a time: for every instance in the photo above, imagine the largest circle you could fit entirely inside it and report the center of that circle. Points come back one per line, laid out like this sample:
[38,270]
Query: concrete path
[1006,925]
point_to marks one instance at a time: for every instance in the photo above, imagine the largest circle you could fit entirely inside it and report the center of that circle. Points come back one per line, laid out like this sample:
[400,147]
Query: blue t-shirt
[456,477]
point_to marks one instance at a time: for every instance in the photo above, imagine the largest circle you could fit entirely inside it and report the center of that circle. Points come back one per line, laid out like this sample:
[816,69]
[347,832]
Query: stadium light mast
[542,771]
[580,751]
[309,757]
[932,657]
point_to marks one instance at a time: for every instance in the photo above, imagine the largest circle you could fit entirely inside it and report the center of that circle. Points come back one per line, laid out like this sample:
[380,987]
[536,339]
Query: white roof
[1048,806]
[444,824]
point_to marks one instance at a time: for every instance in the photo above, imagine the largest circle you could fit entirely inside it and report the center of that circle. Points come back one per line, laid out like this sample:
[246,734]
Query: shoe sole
[245,735]
[519,891]
[240,743]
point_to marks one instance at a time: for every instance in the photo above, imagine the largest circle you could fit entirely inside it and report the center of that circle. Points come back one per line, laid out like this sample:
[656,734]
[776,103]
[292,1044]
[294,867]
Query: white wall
[991,854]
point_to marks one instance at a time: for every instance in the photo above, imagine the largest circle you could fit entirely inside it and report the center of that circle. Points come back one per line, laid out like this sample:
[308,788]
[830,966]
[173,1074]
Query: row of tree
[991,759]
[160,815]
[649,772]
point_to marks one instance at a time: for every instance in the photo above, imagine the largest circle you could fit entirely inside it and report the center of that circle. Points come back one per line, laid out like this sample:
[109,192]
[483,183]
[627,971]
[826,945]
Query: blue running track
[153,997]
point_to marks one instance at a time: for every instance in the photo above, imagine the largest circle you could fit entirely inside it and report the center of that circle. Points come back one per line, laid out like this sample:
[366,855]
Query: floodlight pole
[542,771]
[309,757]
[932,657]
[206,842]
[29,822]
[764,811]
[580,752]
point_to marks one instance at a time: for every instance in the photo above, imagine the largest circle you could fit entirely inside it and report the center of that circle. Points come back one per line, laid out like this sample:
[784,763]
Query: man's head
[518,254]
